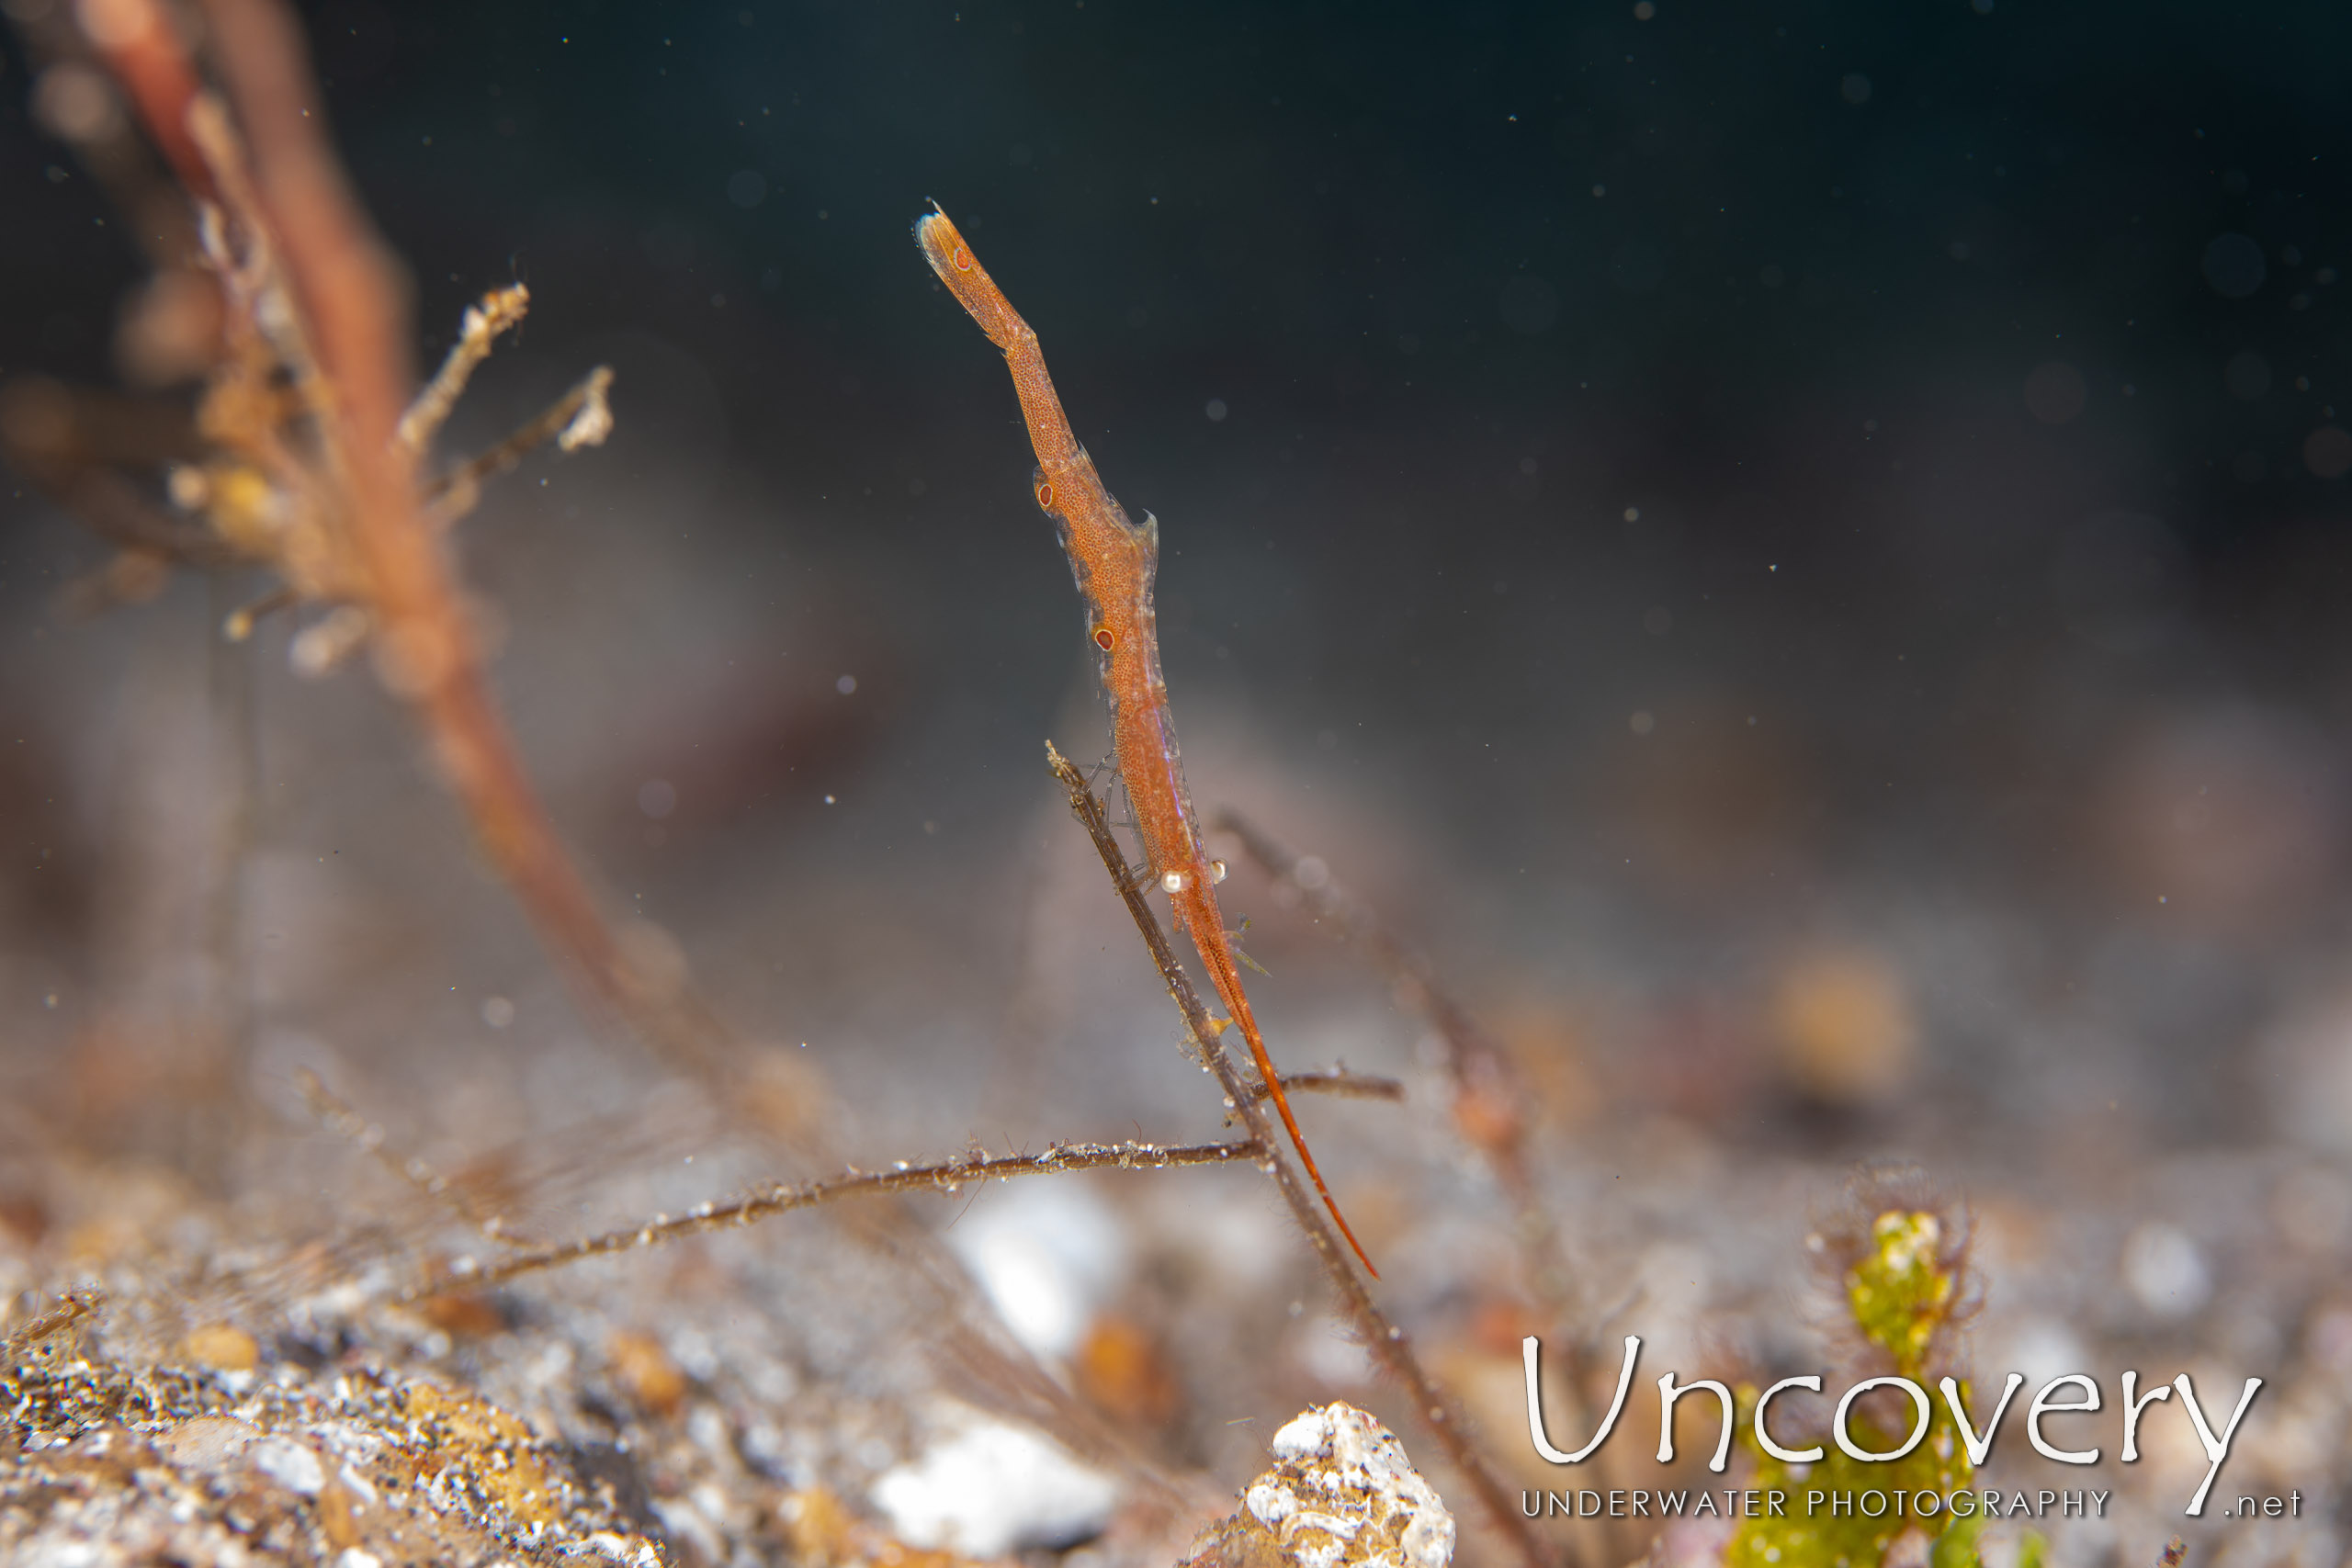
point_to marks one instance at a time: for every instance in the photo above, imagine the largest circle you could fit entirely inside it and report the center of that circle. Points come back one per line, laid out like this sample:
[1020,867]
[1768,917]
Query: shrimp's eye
[1045,496]
[1103,639]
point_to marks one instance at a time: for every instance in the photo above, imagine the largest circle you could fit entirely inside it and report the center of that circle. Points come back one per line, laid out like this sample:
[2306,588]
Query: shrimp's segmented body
[1114,560]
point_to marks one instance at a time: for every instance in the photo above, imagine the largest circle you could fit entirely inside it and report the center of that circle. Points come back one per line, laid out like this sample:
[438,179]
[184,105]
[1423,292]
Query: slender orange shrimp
[1114,560]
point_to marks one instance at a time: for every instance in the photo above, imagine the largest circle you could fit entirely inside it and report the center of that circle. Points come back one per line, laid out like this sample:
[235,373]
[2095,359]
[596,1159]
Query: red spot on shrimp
[1045,496]
[1103,639]
[963,259]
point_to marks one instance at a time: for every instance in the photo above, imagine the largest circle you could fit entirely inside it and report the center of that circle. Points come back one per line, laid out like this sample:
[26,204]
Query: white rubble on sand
[1343,1492]
[1049,1254]
[985,1488]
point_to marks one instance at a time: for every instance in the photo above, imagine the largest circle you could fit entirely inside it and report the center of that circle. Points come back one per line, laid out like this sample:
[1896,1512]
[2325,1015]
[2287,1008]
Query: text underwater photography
[608,953]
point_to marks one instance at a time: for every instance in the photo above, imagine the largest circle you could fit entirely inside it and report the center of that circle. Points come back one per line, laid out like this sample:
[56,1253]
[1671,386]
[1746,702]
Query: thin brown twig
[580,418]
[1490,1091]
[140,42]
[54,41]
[343,1119]
[238,623]
[501,310]
[1341,1084]
[947,1175]
[1385,1340]
[116,511]
[64,440]
[340,1118]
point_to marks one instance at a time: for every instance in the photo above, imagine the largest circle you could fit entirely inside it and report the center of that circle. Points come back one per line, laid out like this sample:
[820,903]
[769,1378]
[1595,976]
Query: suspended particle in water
[2327,452]
[2054,392]
[2246,375]
[1530,304]
[2234,264]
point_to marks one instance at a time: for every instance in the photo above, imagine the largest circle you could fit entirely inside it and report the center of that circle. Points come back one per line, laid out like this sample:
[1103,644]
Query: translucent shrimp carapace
[1114,560]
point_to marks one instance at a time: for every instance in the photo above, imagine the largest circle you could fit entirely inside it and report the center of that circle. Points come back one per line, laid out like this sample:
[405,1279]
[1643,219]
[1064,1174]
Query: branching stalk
[1490,1091]
[1341,1084]
[500,312]
[344,1120]
[1385,1340]
[580,418]
[350,303]
[947,1175]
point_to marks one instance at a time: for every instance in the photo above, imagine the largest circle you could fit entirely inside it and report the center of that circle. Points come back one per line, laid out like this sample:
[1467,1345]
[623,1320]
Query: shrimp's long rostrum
[1114,560]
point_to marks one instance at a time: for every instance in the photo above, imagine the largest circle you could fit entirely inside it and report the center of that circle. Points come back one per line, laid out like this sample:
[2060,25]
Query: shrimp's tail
[1230,990]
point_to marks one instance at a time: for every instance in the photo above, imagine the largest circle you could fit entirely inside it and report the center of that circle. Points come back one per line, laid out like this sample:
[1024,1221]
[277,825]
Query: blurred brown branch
[313,402]
[313,432]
